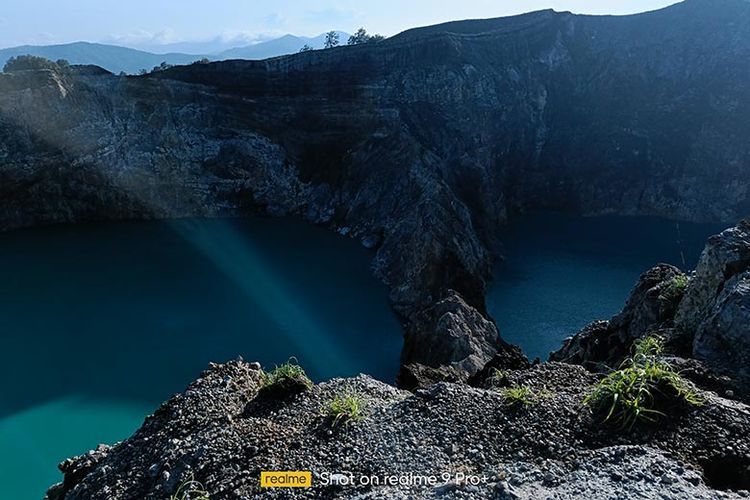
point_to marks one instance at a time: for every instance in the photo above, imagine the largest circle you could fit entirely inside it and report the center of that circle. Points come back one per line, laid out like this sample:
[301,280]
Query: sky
[155,24]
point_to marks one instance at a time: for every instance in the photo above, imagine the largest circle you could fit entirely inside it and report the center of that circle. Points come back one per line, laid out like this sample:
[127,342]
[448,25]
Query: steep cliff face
[420,146]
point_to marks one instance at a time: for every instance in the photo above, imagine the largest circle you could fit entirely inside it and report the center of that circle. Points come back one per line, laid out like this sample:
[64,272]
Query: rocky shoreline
[474,441]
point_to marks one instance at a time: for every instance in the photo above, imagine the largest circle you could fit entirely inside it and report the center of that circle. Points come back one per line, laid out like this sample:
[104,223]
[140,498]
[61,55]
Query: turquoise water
[101,323]
[562,272]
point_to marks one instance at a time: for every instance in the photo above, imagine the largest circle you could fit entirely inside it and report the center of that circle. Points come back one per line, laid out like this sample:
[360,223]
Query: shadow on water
[134,311]
[561,272]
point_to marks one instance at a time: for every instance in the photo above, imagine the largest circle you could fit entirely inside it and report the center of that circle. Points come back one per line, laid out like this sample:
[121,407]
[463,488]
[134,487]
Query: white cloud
[168,40]
[143,37]
[248,37]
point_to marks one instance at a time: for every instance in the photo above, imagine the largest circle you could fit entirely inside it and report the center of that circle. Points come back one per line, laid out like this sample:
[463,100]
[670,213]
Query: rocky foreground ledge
[516,431]
[220,434]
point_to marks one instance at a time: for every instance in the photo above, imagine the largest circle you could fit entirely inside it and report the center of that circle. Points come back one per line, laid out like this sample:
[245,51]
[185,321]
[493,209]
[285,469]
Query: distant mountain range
[122,59]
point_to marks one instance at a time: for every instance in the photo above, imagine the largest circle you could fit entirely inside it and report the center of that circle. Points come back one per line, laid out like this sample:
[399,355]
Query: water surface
[101,323]
[561,272]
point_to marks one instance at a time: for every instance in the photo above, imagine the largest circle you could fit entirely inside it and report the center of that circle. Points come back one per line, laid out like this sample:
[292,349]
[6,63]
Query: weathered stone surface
[722,340]
[447,341]
[725,255]
[218,434]
[413,376]
[715,313]
[76,469]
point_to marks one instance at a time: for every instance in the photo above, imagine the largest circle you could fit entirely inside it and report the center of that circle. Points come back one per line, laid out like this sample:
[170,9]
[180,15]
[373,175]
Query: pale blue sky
[152,23]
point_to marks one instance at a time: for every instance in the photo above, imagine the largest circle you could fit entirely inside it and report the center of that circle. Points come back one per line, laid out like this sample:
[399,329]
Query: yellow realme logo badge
[286,479]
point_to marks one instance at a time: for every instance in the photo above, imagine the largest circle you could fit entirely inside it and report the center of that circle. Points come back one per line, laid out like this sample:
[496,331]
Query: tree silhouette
[359,37]
[332,39]
[28,62]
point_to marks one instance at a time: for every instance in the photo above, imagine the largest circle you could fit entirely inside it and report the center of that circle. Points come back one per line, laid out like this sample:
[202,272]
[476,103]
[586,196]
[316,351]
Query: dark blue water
[563,272]
[100,323]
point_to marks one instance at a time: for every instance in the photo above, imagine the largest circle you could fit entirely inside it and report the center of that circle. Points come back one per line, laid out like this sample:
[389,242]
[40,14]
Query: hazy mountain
[287,44]
[110,57]
[116,59]
[210,47]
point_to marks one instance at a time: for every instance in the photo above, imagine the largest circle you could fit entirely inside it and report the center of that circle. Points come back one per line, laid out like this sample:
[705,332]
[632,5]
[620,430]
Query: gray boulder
[723,339]
[449,341]
[715,312]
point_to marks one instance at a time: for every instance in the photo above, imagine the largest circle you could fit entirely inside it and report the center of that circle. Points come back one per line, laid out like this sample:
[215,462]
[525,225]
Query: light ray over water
[99,324]
[234,253]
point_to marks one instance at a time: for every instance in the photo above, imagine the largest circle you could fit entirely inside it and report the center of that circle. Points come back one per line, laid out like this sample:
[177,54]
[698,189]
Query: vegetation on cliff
[645,389]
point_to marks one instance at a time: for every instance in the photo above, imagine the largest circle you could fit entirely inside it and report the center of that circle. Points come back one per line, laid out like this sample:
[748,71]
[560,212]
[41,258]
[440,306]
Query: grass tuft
[497,378]
[642,390]
[520,395]
[653,345]
[344,409]
[675,289]
[288,372]
[190,489]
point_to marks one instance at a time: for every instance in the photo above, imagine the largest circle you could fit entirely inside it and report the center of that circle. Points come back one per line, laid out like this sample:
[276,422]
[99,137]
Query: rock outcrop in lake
[420,146]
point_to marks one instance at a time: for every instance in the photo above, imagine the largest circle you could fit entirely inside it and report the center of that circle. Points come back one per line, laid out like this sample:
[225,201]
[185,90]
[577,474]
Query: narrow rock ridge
[419,146]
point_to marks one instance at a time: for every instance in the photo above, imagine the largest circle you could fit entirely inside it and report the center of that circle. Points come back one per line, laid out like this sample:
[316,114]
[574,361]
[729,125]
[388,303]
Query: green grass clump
[288,372]
[497,378]
[642,390]
[520,395]
[344,409]
[653,345]
[190,489]
[676,288]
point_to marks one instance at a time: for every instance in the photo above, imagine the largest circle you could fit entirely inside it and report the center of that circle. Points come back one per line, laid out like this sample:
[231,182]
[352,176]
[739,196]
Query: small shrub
[653,345]
[344,409]
[675,289]
[285,380]
[190,489]
[162,67]
[497,378]
[520,395]
[288,371]
[642,390]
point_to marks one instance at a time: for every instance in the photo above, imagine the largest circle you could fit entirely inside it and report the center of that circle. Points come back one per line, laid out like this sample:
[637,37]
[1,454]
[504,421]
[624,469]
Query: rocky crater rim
[420,148]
